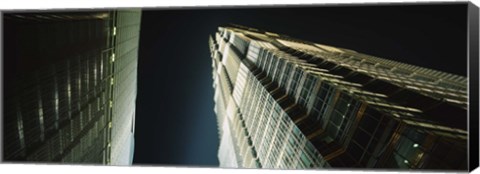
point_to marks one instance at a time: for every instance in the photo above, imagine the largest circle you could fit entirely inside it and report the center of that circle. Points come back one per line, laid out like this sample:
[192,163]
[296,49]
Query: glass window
[355,151]
[286,74]
[295,80]
[279,69]
[361,137]
[368,123]
[305,160]
[306,90]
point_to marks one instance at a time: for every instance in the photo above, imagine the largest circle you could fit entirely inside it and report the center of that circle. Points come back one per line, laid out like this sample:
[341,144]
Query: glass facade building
[286,103]
[70,86]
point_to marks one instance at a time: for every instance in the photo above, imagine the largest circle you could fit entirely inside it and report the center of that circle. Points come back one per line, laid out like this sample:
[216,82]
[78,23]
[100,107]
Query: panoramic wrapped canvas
[353,86]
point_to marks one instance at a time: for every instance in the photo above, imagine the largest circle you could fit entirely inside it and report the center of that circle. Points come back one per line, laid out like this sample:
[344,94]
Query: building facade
[287,103]
[70,86]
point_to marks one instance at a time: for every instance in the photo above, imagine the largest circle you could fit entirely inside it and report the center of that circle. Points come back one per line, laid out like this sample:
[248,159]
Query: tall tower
[286,103]
[70,86]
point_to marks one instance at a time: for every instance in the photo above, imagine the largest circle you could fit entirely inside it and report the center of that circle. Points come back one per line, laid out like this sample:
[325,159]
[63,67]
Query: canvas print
[356,87]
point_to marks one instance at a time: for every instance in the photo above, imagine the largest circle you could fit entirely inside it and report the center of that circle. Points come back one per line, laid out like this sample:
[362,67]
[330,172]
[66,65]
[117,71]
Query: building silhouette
[70,86]
[287,103]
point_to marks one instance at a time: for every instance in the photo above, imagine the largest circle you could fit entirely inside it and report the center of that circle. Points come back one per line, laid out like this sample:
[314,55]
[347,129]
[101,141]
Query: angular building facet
[287,103]
[70,86]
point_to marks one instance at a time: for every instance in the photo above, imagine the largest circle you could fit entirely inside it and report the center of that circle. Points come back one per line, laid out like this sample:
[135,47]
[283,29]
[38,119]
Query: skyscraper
[287,103]
[70,86]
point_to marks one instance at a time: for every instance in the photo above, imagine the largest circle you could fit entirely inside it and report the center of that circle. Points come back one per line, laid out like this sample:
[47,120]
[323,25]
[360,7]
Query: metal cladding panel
[240,84]
[125,84]
[226,152]
[231,62]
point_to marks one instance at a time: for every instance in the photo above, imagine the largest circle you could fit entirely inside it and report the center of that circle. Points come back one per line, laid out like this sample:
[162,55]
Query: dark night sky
[175,122]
